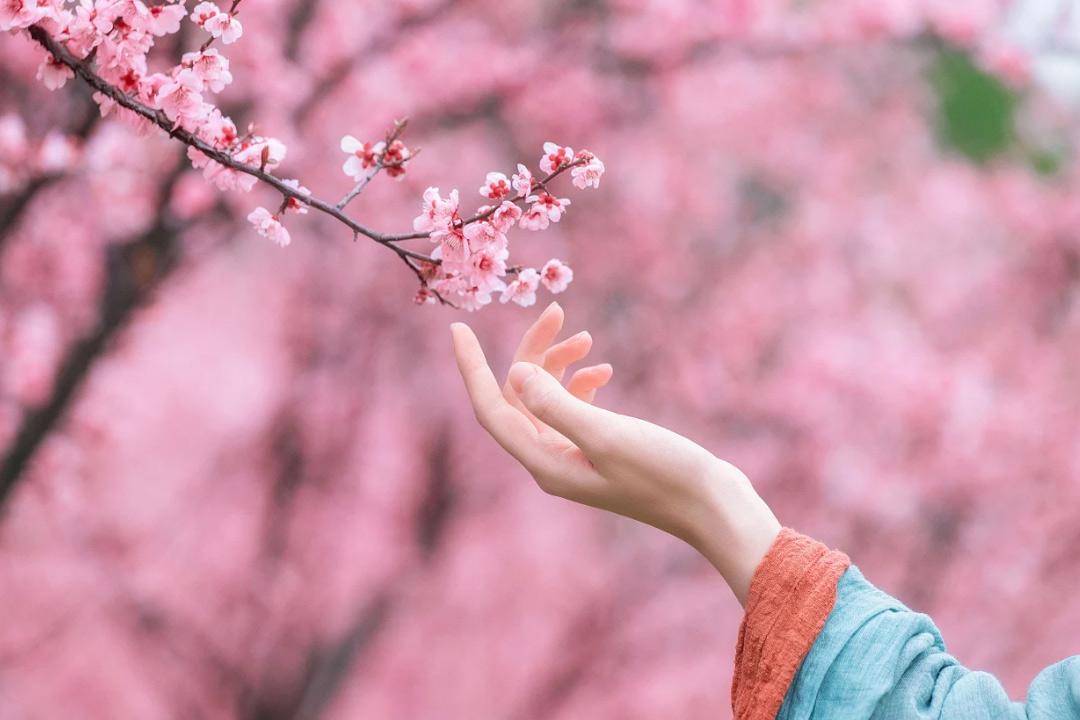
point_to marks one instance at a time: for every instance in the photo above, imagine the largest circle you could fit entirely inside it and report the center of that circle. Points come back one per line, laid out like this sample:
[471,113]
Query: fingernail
[519,373]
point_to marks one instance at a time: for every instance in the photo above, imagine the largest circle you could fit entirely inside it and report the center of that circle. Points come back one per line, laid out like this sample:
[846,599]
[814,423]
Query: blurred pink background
[837,243]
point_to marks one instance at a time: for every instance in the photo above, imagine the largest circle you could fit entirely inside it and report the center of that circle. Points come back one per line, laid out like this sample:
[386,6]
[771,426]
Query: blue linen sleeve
[875,659]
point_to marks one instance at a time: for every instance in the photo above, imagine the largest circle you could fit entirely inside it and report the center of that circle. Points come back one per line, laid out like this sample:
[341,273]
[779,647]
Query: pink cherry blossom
[505,216]
[435,212]
[219,24]
[548,205]
[522,290]
[109,108]
[17,14]
[496,186]
[487,266]
[554,157]
[362,155]
[203,12]
[210,66]
[219,130]
[394,157]
[165,19]
[424,296]
[292,205]
[522,180]
[53,73]
[535,218]
[267,225]
[223,177]
[181,99]
[473,298]
[265,153]
[556,275]
[483,234]
[451,243]
[225,26]
[587,175]
[135,82]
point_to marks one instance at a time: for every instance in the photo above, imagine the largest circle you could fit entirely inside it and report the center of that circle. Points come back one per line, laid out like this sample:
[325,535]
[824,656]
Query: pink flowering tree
[838,246]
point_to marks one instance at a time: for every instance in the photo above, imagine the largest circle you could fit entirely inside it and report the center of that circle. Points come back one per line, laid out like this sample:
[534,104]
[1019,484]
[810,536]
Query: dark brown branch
[134,270]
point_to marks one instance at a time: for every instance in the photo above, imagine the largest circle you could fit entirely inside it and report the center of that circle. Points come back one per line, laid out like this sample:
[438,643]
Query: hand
[590,455]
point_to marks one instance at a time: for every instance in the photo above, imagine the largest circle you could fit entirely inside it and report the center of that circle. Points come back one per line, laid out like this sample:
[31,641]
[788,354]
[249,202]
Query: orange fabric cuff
[791,595]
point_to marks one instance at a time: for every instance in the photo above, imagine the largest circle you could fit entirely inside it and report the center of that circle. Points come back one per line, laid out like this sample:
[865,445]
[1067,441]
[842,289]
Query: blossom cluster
[108,43]
[474,253]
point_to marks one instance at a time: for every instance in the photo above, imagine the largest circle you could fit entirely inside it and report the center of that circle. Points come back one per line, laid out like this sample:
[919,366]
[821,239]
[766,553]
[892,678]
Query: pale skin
[582,452]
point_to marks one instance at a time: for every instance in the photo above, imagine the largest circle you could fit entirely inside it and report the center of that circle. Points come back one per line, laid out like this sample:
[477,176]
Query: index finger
[508,426]
[483,389]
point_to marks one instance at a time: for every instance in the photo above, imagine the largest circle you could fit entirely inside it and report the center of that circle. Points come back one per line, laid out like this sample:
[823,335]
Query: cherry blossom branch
[82,69]
[469,263]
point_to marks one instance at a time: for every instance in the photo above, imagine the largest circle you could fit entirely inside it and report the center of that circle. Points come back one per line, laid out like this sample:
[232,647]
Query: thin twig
[399,127]
[359,187]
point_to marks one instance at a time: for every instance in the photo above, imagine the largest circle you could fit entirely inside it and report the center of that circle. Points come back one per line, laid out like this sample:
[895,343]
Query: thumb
[553,405]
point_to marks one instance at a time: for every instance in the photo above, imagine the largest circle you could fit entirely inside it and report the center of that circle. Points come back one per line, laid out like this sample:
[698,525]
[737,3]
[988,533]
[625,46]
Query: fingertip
[519,373]
[587,381]
[555,310]
[458,331]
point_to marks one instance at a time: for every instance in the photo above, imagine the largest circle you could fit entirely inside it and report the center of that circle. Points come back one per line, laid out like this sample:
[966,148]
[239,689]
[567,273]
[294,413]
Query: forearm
[732,527]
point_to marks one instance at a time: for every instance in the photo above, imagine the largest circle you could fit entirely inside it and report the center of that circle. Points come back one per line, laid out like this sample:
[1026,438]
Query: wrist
[732,527]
